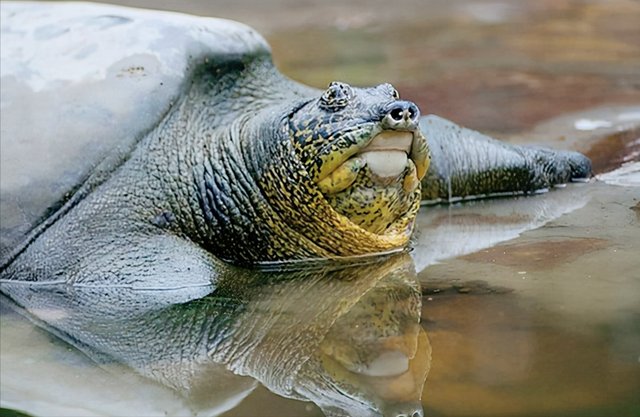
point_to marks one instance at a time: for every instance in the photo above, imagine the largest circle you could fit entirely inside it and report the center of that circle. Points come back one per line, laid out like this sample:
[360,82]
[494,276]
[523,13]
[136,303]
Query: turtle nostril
[396,114]
[402,114]
[412,112]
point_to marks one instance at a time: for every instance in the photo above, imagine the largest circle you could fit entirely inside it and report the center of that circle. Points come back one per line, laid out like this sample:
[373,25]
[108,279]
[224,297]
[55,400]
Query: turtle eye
[336,96]
[394,93]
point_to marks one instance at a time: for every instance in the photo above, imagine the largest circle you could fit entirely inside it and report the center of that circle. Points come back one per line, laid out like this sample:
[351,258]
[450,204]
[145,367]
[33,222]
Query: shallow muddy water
[512,306]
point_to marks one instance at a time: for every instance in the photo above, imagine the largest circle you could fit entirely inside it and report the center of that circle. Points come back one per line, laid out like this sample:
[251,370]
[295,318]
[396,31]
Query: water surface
[526,305]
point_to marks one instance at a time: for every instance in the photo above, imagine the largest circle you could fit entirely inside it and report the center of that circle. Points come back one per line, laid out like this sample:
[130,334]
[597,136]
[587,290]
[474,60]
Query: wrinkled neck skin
[259,202]
[217,179]
[237,186]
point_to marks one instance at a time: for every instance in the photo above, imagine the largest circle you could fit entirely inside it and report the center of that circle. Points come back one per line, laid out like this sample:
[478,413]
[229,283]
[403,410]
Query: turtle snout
[401,115]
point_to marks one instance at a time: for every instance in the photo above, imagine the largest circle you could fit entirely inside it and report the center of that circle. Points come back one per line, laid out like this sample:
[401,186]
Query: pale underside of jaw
[387,154]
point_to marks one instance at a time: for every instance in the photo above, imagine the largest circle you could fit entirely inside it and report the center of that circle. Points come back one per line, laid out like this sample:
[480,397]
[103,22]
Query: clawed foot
[467,163]
[550,167]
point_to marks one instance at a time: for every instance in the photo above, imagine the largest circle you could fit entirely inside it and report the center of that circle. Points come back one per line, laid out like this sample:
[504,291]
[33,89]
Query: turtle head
[336,175]
[364,150]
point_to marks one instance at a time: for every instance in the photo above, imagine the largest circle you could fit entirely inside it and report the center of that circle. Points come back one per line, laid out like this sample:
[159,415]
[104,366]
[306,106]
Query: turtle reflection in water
[307,335]
[153,166]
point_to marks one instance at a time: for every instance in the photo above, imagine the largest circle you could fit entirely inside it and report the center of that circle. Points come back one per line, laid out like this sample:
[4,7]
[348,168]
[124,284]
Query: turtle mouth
[377,185]
[388,155]
[367,165]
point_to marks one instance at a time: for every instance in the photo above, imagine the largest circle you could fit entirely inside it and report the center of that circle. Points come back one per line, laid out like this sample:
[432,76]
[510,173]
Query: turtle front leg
[467,163]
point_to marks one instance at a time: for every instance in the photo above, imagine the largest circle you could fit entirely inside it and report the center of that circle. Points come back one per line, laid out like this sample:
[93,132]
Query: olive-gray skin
[210,172]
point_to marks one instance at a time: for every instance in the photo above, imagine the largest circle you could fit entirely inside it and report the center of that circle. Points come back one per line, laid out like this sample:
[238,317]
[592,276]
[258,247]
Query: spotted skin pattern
[375,204]
[327,136]
[302,208]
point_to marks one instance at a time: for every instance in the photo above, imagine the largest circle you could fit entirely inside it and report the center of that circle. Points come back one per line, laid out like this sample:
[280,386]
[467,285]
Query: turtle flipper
[467,163]
[161,267]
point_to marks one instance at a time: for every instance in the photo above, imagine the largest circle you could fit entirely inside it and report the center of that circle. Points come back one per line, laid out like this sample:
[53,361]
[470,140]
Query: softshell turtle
[143,149]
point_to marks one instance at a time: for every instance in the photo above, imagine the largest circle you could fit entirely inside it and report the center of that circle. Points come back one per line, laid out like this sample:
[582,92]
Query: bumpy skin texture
[216,179]
[219,178]
[334,135]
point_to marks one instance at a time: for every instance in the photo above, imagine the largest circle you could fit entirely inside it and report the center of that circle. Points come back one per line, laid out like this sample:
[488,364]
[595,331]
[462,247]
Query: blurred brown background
[497,66]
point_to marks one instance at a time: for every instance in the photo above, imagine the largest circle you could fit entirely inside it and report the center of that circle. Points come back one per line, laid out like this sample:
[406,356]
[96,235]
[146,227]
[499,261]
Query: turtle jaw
[387,154]
[363,150]
[377,187]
